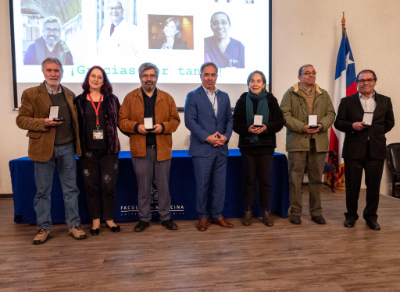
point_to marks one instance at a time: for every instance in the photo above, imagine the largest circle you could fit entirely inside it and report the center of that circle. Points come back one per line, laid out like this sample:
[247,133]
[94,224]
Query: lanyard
[96,109]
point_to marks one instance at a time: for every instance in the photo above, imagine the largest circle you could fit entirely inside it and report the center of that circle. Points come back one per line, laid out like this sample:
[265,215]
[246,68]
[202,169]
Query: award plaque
[53,113]
[148,124]
[258,121]
[313,121]
[367,119]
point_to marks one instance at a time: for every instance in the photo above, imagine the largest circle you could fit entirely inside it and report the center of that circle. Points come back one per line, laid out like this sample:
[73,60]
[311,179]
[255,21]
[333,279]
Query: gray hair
[252,74]
[148,66]
[220,12]
[367,71]
[208,64]
[52,19]
[302,67]
[51,60]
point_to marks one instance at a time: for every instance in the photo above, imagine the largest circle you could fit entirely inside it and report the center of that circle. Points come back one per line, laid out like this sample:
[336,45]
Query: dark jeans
[257,165]
[100,173]
[353,175]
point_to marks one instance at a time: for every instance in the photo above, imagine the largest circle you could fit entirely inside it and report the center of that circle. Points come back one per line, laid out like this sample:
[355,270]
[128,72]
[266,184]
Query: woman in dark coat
[257,143]
[172,36]
[98,121]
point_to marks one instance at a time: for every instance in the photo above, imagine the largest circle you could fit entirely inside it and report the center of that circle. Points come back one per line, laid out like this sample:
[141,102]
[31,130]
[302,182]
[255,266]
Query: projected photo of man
[220,48]
[118,36]
[168,32]
[49,45]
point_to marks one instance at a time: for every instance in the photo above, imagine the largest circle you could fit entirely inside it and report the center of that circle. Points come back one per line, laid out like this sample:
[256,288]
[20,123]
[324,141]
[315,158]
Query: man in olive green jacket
[307,146]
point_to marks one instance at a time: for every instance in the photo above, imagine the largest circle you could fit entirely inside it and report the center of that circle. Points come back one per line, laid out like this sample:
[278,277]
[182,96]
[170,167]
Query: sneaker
[318,219]
[77,232]
[42,236]
[169,224]
[295,219]
[141,226]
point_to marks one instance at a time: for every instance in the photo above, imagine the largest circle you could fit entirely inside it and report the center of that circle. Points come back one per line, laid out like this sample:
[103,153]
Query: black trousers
[257,166]
[353,175]
[100,174]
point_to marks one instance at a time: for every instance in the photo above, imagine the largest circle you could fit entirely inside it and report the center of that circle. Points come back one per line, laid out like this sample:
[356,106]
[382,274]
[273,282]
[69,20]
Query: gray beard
[51,43]
[149,88]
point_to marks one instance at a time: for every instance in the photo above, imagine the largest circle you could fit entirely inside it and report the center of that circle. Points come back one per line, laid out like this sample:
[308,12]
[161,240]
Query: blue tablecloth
[182,188]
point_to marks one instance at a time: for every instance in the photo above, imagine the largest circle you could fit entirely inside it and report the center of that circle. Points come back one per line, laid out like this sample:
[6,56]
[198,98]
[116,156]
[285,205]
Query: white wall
[304,31]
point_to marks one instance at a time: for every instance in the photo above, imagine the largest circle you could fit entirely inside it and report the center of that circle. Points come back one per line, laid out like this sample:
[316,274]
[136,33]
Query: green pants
[315,162]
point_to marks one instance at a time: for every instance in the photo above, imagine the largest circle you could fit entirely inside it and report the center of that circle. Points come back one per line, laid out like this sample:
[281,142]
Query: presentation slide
[176,35]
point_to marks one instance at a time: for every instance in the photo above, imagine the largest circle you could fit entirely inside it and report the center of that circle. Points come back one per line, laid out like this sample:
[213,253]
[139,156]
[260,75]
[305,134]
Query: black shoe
[141,226]
[115,228]
[169,224]
[349,223]
[318,219]
[94,232]
[374,225]
[295,219]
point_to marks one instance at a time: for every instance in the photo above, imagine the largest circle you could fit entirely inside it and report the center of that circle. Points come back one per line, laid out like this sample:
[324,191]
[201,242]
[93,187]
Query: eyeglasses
[222,23]
[114,8]
[49,30]
[309,73]
[365,80]
[152,76]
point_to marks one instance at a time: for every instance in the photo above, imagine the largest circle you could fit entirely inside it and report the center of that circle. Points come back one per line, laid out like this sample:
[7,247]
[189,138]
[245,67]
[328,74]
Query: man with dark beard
[49,45]
[151,146]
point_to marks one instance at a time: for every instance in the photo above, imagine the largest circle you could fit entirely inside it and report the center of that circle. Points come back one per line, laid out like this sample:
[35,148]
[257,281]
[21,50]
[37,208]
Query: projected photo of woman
[166,32]
[172,36]
[220,48]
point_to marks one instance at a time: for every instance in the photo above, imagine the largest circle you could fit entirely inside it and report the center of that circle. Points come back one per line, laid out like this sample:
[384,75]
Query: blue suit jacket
[201,121]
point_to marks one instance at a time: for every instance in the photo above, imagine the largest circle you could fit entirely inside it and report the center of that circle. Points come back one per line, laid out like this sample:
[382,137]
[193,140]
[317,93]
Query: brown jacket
[166,113]
[35,104]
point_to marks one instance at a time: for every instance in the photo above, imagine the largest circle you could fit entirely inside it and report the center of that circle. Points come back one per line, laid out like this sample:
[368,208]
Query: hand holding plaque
[148,124]
[258,121]
[313,121]
[53,113]
[367,119]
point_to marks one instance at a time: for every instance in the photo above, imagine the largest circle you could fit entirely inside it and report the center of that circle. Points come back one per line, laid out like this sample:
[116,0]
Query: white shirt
[213,98]
[369,104]
[121,45]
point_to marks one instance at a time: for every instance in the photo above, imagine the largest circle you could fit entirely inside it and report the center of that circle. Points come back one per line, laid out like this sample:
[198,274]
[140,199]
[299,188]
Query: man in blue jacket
[208,116]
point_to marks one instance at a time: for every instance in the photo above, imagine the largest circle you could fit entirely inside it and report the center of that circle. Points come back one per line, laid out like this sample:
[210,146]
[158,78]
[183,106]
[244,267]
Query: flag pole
[343,23]
[340,184]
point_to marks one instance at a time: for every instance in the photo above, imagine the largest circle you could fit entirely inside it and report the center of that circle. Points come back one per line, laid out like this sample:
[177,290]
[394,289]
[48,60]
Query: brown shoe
[77,232]
[248,218]
[202,225]
[267,219]
[222,222]
[42,236]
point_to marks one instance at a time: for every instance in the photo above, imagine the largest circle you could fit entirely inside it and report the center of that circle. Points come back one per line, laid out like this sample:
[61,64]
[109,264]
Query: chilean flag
[345,85]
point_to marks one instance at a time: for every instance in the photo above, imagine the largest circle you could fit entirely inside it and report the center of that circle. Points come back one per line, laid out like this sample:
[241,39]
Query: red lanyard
[96,109]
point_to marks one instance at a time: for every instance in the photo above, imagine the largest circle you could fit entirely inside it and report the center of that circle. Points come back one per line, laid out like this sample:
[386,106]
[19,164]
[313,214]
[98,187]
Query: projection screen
[176,35]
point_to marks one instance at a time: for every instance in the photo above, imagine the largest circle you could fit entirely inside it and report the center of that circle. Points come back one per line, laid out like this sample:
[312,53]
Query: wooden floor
[285,257]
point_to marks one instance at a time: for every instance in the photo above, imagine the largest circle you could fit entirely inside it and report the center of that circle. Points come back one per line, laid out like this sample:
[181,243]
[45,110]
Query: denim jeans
[64,159]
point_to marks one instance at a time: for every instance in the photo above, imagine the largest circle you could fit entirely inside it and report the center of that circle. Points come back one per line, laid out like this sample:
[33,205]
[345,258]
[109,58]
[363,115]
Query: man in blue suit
[208,116]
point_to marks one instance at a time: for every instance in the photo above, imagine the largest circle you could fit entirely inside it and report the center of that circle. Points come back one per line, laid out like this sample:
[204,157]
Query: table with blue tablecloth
[182,188]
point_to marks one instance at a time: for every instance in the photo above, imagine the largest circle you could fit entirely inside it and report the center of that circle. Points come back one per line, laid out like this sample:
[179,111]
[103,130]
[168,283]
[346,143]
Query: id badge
[97,134]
